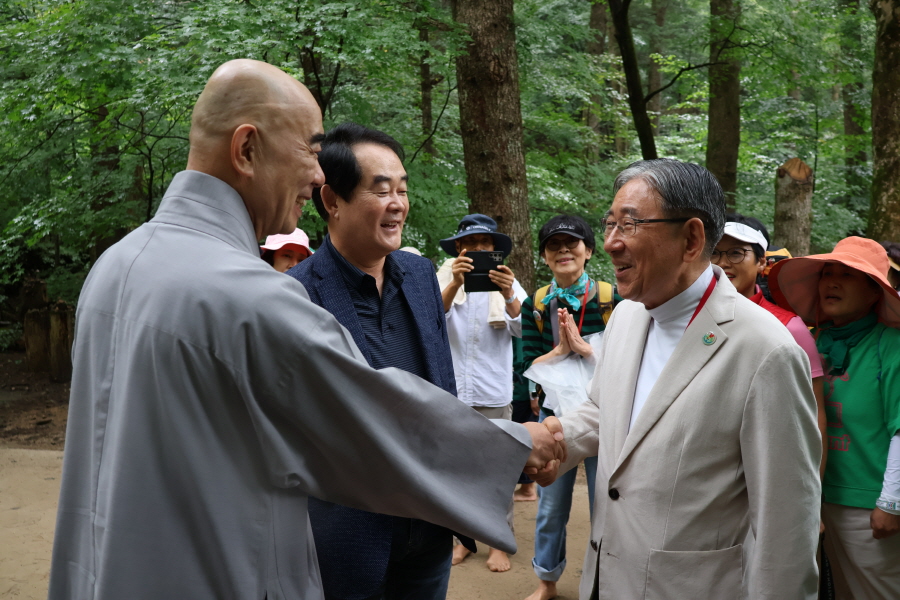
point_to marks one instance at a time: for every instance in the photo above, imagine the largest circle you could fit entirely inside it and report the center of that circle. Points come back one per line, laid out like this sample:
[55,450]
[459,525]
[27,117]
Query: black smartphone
[477,279]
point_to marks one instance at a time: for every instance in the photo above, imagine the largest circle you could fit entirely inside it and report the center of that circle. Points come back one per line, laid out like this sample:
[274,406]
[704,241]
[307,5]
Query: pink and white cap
[297,238]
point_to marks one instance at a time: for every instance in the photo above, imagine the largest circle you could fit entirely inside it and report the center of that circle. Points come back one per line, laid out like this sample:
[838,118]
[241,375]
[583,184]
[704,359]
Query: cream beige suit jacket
[727,440]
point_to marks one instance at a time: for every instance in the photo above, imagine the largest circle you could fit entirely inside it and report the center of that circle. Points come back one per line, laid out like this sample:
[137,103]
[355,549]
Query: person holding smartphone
[481,326]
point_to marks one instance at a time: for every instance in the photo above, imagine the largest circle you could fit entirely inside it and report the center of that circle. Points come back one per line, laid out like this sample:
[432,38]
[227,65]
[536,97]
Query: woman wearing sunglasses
[554,323]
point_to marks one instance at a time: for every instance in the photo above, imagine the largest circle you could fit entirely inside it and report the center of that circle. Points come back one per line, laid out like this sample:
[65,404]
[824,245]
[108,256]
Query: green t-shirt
[863,410]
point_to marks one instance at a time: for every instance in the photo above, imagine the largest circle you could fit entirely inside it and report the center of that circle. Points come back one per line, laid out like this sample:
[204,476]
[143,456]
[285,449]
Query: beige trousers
[496,412]
[863,568]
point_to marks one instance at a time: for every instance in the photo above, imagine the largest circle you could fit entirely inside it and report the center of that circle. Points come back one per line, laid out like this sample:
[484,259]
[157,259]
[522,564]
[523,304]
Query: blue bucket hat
[473,224]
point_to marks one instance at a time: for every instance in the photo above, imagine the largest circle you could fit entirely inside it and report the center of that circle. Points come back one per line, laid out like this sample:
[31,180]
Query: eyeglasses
[554,245]
[734,256]
[628,226]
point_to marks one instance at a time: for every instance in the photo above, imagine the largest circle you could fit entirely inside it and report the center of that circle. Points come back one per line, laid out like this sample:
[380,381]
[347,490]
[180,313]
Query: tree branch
[436,122]
[681,72]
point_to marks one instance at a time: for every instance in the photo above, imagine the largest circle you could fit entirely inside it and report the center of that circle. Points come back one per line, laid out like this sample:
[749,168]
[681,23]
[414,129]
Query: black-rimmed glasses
[735,256]
[628,226]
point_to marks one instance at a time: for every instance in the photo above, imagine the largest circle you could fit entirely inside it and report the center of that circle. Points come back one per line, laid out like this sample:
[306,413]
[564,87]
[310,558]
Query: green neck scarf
[835,342]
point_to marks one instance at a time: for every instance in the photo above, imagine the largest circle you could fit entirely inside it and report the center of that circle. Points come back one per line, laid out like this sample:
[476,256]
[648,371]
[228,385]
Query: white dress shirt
[669,320]
[482,355]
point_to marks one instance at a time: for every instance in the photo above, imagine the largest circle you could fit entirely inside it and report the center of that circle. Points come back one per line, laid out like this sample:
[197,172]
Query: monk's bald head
[246,91]
[259,130]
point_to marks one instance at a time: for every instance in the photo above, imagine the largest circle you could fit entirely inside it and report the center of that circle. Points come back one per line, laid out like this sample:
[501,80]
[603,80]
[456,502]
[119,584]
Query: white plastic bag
[565,380]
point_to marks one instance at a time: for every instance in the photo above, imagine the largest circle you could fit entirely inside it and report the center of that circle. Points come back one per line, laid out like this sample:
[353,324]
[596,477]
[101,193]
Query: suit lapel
[628,353]
[690,356]
[336,299]
[421,307]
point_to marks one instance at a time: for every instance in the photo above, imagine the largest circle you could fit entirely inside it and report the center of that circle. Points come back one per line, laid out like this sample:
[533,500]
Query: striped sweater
[536,343]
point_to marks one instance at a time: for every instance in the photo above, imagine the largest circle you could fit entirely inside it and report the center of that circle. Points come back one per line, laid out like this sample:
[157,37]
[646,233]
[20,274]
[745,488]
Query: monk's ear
[329,200]
[245,149]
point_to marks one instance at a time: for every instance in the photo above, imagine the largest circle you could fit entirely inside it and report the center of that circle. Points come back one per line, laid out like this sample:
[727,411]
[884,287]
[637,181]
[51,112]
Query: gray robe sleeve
[414,449]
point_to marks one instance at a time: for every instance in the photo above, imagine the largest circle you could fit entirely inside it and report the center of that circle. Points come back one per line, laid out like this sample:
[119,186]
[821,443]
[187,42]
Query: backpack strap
[606,299]
[539,313]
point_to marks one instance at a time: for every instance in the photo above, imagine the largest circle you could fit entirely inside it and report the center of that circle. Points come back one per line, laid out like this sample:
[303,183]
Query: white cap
[745,233]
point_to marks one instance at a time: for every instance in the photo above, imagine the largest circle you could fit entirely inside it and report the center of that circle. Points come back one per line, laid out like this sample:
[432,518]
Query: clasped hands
[548,450]
[570,339]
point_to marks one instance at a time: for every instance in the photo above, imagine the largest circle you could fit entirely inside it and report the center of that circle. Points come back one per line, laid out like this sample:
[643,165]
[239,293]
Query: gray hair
[686,190]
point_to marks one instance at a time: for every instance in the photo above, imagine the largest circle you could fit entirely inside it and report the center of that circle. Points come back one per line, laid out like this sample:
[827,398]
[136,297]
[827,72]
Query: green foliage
[95,101]
[10,336]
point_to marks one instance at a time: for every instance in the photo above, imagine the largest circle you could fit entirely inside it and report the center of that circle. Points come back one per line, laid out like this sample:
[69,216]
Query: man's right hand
[461,266]
[548,450]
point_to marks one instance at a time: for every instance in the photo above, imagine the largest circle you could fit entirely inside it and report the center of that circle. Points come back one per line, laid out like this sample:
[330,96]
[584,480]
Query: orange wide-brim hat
[794,282]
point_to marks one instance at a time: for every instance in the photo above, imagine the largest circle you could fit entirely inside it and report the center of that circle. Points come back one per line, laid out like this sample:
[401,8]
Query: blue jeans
[554,506]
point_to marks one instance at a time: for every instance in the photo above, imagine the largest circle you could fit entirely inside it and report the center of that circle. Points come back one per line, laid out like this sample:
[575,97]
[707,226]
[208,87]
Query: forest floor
[33,409]
[33,414]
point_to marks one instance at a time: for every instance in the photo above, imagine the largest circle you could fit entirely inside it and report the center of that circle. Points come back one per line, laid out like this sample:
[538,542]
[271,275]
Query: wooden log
[793,206]
[37,339]
[32,295]
[60,347]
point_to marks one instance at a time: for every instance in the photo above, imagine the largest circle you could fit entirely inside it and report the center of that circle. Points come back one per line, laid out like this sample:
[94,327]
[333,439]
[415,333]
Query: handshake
[548,450]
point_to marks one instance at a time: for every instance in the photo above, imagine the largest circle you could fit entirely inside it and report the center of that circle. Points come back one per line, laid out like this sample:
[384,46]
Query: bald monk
[210,397]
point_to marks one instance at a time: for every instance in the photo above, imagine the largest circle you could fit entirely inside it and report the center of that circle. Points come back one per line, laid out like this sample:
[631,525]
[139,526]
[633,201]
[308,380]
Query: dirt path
[29,488]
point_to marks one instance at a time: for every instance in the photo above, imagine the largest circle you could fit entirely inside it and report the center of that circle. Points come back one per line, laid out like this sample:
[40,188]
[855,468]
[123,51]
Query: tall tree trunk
[106,161]
[490,119]
[619,11]
[62,323]
[854,152]
[427,84]
[596,46]
[884,217]
[654,78]
[620,139]
[598,24]
[724,125]
[793,206]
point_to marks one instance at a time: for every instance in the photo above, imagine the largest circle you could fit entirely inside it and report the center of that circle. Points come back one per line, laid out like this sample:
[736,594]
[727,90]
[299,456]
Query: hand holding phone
[478,278]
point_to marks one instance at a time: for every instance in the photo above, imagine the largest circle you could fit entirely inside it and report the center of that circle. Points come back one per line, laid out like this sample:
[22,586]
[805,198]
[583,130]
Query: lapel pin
[709,339]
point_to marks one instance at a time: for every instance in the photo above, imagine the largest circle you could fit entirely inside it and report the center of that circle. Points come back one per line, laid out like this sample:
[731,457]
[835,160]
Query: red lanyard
[712,285]
[587,291]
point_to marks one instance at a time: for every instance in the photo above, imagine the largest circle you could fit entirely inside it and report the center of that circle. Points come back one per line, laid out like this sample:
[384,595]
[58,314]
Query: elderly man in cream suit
[701,412]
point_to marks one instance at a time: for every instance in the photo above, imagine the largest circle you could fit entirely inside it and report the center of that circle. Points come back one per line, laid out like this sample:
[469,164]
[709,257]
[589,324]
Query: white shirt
[669,320]
[482,355]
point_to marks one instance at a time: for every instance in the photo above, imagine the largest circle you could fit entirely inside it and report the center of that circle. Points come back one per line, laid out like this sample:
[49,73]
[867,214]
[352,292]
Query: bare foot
[526,493]
[498,561]
[545,591]
[460,553]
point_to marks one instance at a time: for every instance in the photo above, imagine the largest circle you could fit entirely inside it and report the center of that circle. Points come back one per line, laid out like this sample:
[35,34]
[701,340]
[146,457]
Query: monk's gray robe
[210,398]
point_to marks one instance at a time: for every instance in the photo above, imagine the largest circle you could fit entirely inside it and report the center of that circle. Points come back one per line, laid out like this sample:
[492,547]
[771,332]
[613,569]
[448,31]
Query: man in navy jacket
[390,302]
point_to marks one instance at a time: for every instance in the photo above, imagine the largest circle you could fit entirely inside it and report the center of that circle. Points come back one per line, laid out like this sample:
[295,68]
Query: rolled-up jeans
[554,505]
